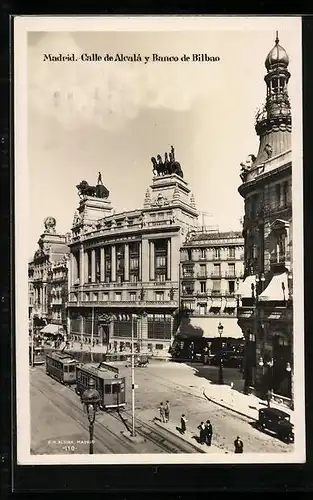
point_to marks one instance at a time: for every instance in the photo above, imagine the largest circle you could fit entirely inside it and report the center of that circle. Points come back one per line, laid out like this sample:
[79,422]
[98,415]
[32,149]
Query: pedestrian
[202,434]
[238,445]
[183,422]
[162,412]
[167,411]
[208,432]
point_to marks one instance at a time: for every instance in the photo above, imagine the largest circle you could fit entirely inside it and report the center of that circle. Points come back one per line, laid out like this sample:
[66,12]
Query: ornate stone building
[211,270]
[124,270]
[266,313]
[48,281]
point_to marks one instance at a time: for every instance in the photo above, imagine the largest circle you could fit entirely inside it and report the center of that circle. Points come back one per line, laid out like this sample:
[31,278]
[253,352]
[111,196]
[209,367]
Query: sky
[86,117]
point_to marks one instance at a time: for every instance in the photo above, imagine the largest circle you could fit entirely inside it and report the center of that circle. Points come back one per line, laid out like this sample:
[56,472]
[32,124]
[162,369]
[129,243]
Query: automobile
[230,359]
[277,421]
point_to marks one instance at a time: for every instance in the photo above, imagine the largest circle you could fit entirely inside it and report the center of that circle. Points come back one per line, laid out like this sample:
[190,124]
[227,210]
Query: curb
[229,408]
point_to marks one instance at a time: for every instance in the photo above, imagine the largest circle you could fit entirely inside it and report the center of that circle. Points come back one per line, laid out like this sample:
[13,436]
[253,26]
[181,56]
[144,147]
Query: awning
[215,303]
[245,287]
[53,329]
[277,289]
[231,302]
[207,327]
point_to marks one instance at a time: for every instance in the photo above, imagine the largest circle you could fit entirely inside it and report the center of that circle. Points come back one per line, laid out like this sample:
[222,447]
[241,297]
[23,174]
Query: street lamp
[220,329]
[91,399]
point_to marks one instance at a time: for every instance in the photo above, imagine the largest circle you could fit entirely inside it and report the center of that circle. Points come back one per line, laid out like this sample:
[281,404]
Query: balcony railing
[123,303]
[216,275]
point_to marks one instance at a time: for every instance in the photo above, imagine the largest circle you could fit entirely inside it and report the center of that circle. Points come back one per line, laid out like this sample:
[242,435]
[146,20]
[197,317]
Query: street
[59,425]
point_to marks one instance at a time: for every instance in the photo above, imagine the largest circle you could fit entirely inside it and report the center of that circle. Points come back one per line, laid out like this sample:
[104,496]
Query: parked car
[277,421]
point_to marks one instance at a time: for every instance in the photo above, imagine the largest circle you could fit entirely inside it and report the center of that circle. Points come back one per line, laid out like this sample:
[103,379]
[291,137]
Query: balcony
[215,293]
[189,293]
[280,259]
[216,275]
[202,276]
[124,303]
[233,275]
[202,294]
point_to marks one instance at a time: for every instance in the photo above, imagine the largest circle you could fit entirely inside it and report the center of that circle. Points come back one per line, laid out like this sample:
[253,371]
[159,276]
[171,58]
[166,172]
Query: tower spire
[277,39]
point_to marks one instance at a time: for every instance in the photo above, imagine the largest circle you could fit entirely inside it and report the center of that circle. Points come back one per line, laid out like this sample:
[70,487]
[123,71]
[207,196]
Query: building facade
[124,268]
[266,312]
[48,280]
[211,270]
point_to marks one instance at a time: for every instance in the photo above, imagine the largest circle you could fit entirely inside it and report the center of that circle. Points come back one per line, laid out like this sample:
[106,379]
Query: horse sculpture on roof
[168,167]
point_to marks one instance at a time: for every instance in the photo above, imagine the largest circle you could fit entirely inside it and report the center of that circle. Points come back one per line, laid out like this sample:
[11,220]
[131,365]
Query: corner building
[124,268]
[266,312]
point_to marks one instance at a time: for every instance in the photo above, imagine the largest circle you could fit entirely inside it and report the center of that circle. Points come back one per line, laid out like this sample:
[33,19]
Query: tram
[38,355]
[110,385]
[62,367]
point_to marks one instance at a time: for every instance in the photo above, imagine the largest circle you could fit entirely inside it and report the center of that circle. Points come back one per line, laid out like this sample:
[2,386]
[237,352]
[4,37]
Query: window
[105,297]
[159,347]
[202,270]
[132,296]
[118,296]
[231,287]
[231,253]
[217,269]
[188,270]
[216,287]
[188,288]
[134,263]
[107,388]
[202,253]
[116,388]
[159,326]
[202,309]
[231,269]
[216,253]
[133,278]
[159,296]
[160,278]
[202,286]
[160,261]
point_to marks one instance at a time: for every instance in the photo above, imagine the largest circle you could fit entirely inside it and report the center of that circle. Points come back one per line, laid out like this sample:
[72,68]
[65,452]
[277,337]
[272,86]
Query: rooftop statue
[168,167]
[98,191]
[49,224]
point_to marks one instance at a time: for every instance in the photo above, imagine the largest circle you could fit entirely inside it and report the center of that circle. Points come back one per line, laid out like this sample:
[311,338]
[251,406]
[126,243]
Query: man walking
[167,411]
[208,432]
[238,445]
[183,422]
[162,412]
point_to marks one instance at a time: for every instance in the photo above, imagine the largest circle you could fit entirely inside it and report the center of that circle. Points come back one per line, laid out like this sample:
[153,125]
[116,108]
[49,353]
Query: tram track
[76,413]
[150,432]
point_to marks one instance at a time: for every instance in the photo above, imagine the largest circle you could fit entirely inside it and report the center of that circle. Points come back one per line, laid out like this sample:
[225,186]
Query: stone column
[82,266]
[86,267]
[93,265]
[102,265]
[140,261]
[175,245]
[113,263]
[126,262]
[144,260]
[71,277]
[41,296]
[152,270]
[168,260]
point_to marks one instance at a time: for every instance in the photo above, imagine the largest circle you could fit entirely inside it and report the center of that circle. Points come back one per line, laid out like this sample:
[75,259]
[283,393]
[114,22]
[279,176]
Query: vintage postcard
[158,240]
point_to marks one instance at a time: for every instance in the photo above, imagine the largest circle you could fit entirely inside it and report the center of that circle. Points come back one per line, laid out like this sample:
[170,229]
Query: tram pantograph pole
[133,433]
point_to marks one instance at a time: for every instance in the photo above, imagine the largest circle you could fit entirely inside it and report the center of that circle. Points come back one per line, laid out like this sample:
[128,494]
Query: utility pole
[133,433]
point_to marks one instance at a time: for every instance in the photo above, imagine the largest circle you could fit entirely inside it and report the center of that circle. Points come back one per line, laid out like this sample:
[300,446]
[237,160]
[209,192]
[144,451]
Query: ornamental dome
[277,56]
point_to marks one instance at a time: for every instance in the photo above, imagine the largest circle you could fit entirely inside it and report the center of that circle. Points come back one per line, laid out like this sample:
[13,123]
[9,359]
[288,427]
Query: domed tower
[273,122]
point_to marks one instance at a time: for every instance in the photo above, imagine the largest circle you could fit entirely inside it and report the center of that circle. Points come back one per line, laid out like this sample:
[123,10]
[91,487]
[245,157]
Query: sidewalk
[247,405]
[172,427]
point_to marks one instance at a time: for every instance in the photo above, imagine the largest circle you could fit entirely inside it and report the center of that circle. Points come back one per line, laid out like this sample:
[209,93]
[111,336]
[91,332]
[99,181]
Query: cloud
[106,94]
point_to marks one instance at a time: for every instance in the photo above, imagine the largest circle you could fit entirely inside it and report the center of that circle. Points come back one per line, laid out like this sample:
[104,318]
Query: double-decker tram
[110,385]
[62,367]
[36,355]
